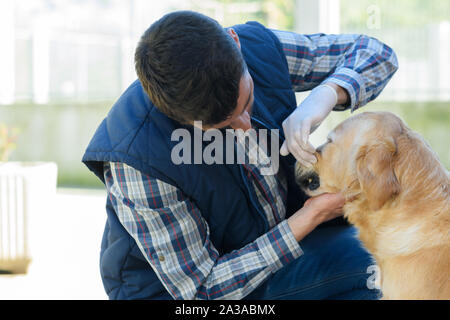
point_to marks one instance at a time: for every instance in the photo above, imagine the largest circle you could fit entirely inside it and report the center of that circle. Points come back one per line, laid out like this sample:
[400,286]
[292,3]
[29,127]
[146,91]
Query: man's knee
[336,250]
[333,263]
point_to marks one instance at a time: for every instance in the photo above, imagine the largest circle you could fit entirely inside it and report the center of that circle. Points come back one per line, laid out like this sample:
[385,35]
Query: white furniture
[26,190]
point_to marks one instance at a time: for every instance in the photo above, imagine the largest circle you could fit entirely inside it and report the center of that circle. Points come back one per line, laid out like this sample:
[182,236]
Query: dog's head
[357,160]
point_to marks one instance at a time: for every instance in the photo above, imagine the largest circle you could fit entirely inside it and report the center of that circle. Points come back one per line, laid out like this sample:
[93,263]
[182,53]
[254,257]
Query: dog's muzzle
[306,179]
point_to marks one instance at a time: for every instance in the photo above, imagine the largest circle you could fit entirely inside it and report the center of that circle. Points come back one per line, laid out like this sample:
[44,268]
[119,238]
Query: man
[226,231]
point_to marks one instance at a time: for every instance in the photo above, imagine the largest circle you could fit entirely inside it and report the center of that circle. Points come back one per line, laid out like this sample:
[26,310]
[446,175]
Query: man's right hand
[305,119]
[315,211]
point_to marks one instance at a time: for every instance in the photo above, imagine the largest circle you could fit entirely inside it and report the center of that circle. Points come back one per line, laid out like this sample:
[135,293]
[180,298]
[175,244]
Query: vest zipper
[252,200]
[245,179]
[266,126]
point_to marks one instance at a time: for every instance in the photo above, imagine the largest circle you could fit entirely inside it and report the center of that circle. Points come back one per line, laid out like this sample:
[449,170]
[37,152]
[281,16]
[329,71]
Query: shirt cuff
[351,81]
[279,246]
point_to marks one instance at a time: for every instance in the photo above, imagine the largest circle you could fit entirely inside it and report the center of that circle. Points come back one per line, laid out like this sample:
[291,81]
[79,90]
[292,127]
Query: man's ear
[375,171]
[235,37]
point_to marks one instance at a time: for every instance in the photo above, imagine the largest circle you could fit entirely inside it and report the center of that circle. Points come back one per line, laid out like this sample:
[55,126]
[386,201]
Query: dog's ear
[375,170]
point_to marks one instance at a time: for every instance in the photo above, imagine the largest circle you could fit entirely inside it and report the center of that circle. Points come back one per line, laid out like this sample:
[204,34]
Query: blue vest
[135,132]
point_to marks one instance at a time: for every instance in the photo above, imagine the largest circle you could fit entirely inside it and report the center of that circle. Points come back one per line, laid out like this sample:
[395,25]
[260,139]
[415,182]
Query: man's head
[193,70]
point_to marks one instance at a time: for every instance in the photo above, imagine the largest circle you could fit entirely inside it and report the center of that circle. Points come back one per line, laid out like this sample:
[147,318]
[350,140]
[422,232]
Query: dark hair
[190,67]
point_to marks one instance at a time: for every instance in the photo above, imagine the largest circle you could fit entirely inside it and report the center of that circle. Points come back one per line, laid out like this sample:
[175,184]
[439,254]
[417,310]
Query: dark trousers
[333,266]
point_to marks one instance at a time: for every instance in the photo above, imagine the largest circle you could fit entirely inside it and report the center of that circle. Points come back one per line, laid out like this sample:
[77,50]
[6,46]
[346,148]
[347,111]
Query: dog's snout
[311,181]
[307,179]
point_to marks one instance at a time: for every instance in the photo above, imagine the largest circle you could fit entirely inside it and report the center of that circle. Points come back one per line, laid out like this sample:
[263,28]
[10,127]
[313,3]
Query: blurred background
[64,63]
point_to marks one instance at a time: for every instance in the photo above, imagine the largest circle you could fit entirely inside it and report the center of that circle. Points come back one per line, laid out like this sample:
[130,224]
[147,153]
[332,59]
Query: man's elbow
[393,61]
[387,55]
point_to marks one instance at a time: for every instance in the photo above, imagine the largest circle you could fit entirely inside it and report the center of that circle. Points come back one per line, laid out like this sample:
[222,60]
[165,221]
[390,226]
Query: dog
[398,200]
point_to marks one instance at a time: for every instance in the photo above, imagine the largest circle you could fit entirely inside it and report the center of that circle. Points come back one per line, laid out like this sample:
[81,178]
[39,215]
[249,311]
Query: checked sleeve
[360,64]
[173,236]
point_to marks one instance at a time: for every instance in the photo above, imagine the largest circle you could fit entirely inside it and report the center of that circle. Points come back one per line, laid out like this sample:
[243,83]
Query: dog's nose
[310,181]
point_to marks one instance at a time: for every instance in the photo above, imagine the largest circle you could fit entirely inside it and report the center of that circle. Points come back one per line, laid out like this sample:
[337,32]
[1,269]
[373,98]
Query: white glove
[305,120]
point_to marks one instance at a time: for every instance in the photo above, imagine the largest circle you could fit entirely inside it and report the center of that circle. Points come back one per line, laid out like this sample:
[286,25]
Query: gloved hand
[305,120]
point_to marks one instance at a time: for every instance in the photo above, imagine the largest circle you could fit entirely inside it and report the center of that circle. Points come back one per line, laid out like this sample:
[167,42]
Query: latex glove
[304,121]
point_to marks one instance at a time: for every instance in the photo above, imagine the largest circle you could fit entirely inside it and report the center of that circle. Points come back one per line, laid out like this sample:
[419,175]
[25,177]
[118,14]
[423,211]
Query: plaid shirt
[169,228]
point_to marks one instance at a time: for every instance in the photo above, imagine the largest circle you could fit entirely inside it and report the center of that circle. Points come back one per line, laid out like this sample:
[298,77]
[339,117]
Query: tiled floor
[65,249]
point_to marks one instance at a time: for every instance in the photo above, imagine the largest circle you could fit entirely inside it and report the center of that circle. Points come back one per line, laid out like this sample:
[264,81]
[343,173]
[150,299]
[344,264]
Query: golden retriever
[400,200]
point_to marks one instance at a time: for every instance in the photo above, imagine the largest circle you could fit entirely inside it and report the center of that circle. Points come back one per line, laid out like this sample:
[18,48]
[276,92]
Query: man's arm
[174,238]
[360,64]
[343,71]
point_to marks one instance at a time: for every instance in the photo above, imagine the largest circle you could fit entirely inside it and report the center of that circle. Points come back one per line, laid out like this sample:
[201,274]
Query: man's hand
[315,211]
[306,118]
[326,206]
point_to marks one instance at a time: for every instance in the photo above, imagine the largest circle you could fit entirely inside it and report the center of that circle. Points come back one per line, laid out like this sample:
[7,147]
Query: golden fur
[401,202]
